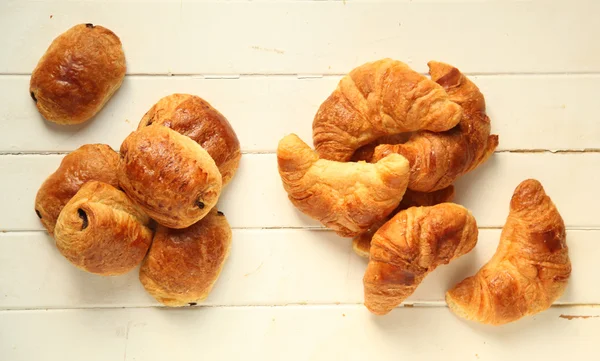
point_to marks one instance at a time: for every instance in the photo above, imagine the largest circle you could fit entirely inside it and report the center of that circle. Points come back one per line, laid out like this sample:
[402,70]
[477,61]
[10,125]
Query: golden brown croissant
[411,245]
[169,175]
[366,152]
[193,116]
[101,231]
[361,244]
[78,74]
[376,99]
[89,162]
[529,270]
[438,159]
[347,197]
[183,264]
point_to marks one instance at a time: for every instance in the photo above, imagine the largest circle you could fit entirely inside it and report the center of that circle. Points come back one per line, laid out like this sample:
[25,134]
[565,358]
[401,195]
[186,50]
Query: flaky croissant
[376,99]
[183,264]
[101,231]
[87,163]
[347,197]
[529,270]
[438,159]
[169,175]
[361,244]
[410,246]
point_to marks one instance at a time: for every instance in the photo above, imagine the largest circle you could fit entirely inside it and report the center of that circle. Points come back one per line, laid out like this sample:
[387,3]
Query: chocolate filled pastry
[101,231]
[376,99]
[78,74]
[346,197]
[192,116]
[438,159]
[410,246]
[173,179]
[529,270]
[89,162]
[183,264]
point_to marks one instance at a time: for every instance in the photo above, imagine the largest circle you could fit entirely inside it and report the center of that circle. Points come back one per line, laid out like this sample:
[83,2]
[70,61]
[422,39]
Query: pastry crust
[194,117]
[183,264]
[438,159]
[410,246]
[529,270]
[169,175]
[101,231]
[78,74]
[381,98]
[346,197]
[89,162]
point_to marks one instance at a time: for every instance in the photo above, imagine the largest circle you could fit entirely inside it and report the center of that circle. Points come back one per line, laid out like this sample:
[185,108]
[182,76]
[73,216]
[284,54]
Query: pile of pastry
[154,203]
[389,144]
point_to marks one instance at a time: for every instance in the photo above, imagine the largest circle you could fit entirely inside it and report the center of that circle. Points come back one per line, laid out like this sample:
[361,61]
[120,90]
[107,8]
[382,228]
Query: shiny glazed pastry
[346,197]
[183,264]
[192,116]
[438,159]
[410,246]
[170,176]
[78,74]
[529,270]
[381,98]
[101,231]
[361,244]
[89,162]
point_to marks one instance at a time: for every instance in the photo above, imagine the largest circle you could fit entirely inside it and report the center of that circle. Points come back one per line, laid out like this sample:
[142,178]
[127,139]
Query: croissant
[89,162]
[194,117]
[170,176]
[101,231]
[183,264]
[438,159]
[376,99]
[78,74]
[347,197]
[365,153]
[411,245]
[361,244]
[529,270]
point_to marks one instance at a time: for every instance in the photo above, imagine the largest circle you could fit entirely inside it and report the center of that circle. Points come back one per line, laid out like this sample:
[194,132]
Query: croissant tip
[528,193]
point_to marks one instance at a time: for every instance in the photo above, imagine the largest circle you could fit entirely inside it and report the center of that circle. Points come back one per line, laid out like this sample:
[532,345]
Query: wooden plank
[292,333]
[529,112]
[316,37]
[256,199]
[268,267]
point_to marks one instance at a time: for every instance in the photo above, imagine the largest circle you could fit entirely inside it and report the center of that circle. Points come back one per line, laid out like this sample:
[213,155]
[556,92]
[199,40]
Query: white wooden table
[291,290]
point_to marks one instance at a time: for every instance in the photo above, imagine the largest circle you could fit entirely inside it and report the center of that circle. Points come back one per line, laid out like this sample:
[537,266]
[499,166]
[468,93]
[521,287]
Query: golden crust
[169,175]
[183,264]
[346,197]
[101,231]
[529,270]
[438,159]
[410,246]
[79,72]
[376,99]
[89,162]
[194,117]
[361,244]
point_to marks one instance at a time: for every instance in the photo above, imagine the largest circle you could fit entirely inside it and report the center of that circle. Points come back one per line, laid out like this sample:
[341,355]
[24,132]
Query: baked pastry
[376,99]
[365,153]
[183,264]
[101,231]
[89,162]
[170,176]
[79,72]
[410,246]
[192,116]
[529,270]
[346,197]
[438,159]
[361,244]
